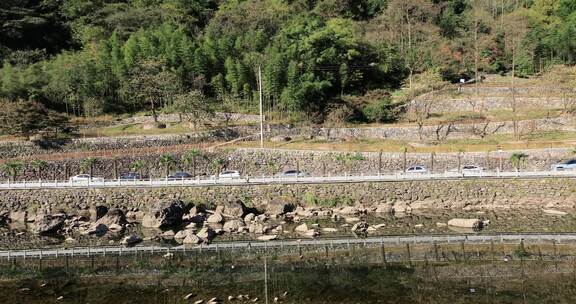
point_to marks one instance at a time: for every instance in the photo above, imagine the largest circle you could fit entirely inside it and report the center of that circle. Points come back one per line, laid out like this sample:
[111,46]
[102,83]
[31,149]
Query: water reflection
[310,283]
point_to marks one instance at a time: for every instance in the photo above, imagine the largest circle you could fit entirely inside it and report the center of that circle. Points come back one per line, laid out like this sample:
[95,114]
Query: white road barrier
[263,180]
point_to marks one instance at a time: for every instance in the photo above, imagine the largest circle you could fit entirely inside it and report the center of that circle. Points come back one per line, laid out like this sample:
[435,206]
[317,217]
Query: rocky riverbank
[193,215]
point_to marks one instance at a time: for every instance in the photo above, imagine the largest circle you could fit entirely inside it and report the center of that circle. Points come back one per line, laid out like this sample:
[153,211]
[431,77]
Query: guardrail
[285,244]
[399,176]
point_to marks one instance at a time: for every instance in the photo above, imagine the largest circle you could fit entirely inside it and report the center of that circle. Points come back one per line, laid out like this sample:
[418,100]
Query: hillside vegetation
[320,59]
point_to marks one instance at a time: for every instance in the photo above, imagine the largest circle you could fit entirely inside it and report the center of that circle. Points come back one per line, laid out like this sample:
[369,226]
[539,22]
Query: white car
[294,173]
[229,174]
[565,165]
[417,169]
[472,169]
[85,178]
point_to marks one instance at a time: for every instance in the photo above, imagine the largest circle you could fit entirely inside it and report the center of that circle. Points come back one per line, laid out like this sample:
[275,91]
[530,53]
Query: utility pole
[266,278]
[261,107]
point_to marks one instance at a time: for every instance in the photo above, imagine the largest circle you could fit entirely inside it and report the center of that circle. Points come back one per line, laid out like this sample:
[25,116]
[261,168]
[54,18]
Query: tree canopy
[89,57]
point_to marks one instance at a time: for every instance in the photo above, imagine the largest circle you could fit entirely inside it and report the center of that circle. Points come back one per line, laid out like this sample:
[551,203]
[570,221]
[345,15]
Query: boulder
[233,225]
[352,219]
[192,239]
[554,212]
[360,227]
[401,207]
[329,230]
[98,229]
[311,233]
[234,209]
[113,216]
[134,216]
[277,208]
[206,234]
[215,218]
[266,238]
[168,234]
[383,208]
[165,214]
[249,218]
[197,219]
[182,234]
[131,240]
[96,212]
[49,224]
[303,228]
[115,228]
[379,226]
[257,228]
[349,210]
[18,216]
[466,223]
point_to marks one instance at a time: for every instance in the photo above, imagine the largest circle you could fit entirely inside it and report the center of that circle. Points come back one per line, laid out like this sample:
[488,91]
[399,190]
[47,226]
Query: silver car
[417,170]
[85,178]
[229,174]
[565,165]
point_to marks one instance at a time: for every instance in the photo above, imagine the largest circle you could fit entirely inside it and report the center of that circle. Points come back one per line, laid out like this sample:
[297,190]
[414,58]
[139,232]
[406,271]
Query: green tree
[12,168]
[89,163]
[39,165]
[152,84]
[167,160]
[24,118]
[190,159]
[516,159]
[217,164]
[194,107]
[137,166]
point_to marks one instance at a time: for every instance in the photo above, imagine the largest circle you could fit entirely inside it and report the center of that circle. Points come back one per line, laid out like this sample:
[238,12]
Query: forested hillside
[91,57]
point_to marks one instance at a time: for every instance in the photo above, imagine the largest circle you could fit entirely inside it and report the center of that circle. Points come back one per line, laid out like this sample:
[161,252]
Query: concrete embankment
[442,195]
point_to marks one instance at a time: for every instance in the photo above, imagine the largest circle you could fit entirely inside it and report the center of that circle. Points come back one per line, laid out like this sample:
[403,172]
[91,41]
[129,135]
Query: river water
[313,285]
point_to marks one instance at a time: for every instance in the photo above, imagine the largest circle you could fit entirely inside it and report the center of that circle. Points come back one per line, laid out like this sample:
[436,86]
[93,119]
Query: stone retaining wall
[495,103]
[255,162]
[9,149]
[432,133]
[441,195]
[171,118]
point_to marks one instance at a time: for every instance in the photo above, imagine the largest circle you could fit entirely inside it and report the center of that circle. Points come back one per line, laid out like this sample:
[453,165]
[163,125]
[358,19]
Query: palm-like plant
[89,163]
[217,165]
[167,160]
[12,168]
[39,165]
[137,166]
[516,159]
[190,157]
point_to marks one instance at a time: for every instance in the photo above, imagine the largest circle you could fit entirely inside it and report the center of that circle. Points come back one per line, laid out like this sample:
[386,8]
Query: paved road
[244,245]
[285,180]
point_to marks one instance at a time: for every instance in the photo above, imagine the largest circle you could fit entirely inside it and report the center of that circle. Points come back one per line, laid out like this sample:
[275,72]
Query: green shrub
[384,111]
[310,199]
